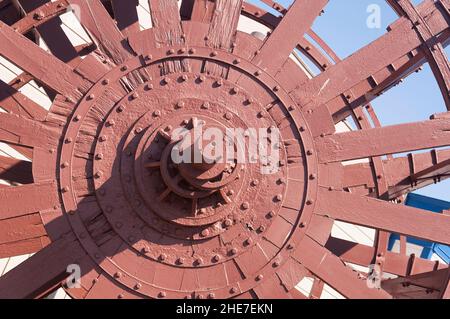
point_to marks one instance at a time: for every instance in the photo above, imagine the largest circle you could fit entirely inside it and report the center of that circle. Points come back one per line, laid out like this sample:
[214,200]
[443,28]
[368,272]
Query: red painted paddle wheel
[101,190]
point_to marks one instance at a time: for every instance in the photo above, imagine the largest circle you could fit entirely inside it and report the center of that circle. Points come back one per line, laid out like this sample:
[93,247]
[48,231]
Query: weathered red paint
[102,189]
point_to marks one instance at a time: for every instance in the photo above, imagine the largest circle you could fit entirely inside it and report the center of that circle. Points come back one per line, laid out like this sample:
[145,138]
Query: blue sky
[344,28]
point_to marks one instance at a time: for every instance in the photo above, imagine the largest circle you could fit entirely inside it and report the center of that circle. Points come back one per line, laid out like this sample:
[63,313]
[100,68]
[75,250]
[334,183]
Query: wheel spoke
[225,18]
[166,21]
[359,68]
[396,264]
[25,132]
[288,33]
[15,170]
[41,65]
[42,272]
[51,31]
[401,174]
[103,30]
[333,271]
[15,102]
[126,15]
[378,141]
[27,199]
[382,215]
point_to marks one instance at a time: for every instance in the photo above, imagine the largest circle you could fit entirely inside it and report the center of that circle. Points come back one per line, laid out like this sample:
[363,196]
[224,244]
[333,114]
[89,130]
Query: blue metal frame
[429,248]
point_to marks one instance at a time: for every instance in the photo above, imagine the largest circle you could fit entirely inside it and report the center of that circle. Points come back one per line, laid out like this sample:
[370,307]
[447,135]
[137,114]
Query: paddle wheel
[100,189]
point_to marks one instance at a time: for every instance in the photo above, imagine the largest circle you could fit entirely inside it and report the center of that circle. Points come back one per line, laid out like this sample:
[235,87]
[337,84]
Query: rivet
[290,246]
[233,251]
[135,95]
[138,130]
[138,286]
[65,165]
[302,225]
[262,229]
[271,214]
[202,78]
[118,274]
[214,53]
[235,90]
[120,108]
[65,189]
[309,202]
[276,88]
[198,262]
[206,105]
[180,105]
[230,192]
[211,296]
[145,249]
[312,176]
[68,140]
[248,241]
[98,174]
[255,182]
[229,116]
[182,50]
[102,138]
[219,82]
[245,205]
[91,96]
[171,51]
[276,264]
[180,261]
[162,257]
[184,77]
[148,57]
[233,290]
[162,294]
[192,51]
[258,73]
[216,258]
[301,128]
[77,118]
[205,233]
[228,222]
[259,277]
[291,108]
[157,113]
[124,68]
[279,198]
[166,80]
[309,152]
[120,296]
[148,87]
[237,61]
[110,123]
